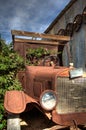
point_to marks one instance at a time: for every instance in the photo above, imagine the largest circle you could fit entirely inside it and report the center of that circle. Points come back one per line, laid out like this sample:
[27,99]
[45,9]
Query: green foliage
[2,116]
[34,56]
[10,64]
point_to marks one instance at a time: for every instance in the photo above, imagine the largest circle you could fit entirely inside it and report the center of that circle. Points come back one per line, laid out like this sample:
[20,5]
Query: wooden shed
[72,22]
[23,40]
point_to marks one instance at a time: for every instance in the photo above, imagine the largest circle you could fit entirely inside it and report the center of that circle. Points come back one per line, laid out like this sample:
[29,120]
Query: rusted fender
[15,101]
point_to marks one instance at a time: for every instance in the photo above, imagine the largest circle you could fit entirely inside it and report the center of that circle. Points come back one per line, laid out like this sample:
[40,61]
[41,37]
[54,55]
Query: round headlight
[48,100]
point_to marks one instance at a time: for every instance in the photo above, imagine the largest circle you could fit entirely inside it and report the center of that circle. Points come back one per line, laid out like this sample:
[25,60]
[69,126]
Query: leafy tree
[34,56]
[10,64]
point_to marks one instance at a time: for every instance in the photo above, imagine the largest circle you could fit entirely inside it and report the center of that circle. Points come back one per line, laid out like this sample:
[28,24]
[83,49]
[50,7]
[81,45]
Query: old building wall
[78,39]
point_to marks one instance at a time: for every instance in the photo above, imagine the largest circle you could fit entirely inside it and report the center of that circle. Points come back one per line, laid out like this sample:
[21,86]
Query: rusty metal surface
[71,95]
[50,74]
[35,77]
[71,101]
[69,119]
[39,78]
[16,101]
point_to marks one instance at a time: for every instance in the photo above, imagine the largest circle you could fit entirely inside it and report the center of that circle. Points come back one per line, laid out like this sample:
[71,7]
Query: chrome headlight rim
[41,97]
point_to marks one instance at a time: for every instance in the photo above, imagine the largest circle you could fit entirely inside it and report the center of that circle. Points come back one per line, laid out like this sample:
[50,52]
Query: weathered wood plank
[53,43]
[57,127]
[40,35]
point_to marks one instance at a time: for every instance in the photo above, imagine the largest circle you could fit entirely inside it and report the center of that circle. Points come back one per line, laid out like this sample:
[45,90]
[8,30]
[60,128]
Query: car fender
[14,101]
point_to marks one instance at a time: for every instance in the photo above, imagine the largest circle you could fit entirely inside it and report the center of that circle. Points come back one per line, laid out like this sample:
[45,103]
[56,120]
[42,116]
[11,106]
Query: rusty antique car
[58,92]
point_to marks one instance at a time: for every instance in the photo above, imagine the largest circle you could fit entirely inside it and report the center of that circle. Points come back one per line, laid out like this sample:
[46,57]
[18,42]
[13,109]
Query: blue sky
[28,15]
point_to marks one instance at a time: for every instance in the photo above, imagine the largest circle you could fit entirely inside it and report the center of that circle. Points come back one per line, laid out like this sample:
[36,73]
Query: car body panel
[39,79]
[16,101]
[69,119]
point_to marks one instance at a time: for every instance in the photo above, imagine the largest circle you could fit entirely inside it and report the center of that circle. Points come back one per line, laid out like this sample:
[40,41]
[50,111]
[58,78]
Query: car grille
[71,95]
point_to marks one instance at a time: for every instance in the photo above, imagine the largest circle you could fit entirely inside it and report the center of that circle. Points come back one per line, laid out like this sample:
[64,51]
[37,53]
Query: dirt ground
[35,120]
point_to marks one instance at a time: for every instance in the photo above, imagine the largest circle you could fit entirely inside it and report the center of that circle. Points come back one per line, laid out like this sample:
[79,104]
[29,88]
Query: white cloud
[15,23]
[29,15]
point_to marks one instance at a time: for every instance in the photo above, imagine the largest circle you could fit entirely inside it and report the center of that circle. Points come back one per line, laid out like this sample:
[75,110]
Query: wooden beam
[56,127]
[53,43]
[40,35]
